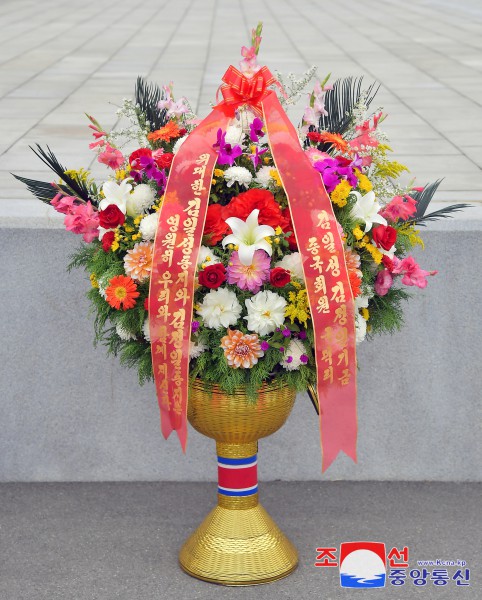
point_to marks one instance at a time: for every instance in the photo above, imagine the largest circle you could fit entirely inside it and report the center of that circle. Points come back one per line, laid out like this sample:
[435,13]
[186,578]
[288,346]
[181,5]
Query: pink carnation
[249,277]
[383,282]
[399,208]
[412,273]
[83,220]
[63,204]
[111,157]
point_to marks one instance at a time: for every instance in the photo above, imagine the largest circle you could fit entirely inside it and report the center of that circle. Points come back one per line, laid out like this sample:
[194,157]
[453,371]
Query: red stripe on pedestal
[237,479]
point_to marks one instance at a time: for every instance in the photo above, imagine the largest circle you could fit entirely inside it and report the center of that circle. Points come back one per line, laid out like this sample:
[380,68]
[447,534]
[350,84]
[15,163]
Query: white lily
[248,236]
[116,194]
[366,209]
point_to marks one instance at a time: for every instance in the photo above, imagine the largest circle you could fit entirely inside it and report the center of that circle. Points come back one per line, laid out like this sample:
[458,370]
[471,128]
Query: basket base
[238,547]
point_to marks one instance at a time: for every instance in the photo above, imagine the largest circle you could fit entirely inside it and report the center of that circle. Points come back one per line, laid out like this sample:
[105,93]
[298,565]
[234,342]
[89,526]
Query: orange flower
[241,350]
[122,292]
[138,261]
[352,260]
[166,133]
[334,139]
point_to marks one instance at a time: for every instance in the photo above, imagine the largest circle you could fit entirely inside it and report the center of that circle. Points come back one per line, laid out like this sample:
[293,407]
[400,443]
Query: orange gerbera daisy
[241,350]
[138,261]
[122,292]
[166,133]
[334,139]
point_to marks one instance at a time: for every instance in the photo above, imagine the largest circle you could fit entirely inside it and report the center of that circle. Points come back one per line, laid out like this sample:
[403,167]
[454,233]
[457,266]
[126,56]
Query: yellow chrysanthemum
[358,233]
[340,193]
[273,173]
[364,183]
[375,253]
[93,280]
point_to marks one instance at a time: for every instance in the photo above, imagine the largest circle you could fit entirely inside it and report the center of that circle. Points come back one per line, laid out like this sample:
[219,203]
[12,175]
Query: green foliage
[386,312]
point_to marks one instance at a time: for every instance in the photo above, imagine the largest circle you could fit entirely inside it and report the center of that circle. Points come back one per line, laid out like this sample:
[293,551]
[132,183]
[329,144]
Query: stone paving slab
[56,64]
[120,541]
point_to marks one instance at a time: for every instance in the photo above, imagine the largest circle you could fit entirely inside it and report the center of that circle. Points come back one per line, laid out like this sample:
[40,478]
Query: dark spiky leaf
[147,97]
[40,189]
[443,213]
[340,102]
[76,188]
[424,197]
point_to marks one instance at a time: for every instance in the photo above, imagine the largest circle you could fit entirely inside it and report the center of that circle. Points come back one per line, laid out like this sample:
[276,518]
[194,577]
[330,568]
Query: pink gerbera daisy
[249,277]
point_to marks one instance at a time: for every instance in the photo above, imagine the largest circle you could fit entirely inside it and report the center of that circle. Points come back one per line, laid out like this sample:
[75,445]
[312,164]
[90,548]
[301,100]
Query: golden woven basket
[238,543]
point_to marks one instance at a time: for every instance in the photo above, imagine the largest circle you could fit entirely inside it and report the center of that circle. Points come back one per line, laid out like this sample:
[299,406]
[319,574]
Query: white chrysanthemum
[178,144]
[148,226]
[196,349]
[207,256]
[220,308]
[263,177]
[266,312]
[292,356]
[360,327]
[123,333]
[140,200]
[293,264]
[238,175]
[234,136]
[103,285]
[146,330]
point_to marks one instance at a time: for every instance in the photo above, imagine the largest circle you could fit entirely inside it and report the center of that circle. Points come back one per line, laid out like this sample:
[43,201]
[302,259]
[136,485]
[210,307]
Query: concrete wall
[68,413]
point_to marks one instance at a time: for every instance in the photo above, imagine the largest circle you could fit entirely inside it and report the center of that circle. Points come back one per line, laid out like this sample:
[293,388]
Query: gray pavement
[57,63]
[120,540]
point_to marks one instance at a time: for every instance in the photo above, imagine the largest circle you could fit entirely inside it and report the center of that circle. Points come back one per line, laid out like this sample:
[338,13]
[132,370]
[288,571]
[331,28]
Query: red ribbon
[240,90]
[176,248]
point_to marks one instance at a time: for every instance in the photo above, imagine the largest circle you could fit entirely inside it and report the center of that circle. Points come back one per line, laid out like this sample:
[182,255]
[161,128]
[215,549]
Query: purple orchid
[221,140]
[256,130]
[333,170]
[148,165]
[227,154]
[255,156]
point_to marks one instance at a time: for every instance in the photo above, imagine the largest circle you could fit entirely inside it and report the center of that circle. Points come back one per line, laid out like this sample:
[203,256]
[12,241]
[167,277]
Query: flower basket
[242,258]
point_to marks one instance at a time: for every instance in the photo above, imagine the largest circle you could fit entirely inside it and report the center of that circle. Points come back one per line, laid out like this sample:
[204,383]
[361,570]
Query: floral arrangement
[251,319]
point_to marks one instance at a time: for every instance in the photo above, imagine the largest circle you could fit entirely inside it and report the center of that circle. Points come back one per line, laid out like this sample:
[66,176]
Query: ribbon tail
[327,282]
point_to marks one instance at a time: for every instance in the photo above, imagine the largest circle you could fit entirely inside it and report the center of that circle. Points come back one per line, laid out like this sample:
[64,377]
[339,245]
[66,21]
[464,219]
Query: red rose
[137,154]
[182,132]
[384,236]
[146,304]
[215,228]
[107,240]
[243,205]
[163,161]
[212,276]
[288,226]
[279,277]
[111,217]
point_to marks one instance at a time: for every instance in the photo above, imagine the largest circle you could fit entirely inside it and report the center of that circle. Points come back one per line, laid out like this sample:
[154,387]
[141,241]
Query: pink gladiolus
[418,189]
[412,273]
[383,282]
[111,157]
[83,220]
[98,133]
[63,204]
[399,208]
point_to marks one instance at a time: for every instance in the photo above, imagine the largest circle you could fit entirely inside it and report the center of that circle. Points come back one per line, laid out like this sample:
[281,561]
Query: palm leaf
[77,188]
[424,197]
[148,96]
[41,189]
[340,102]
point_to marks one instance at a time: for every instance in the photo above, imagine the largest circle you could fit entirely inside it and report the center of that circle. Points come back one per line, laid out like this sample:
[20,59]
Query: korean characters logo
[365,564]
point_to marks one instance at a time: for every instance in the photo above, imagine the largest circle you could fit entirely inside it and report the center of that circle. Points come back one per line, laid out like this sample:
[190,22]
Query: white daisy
[266,312]
[220,308]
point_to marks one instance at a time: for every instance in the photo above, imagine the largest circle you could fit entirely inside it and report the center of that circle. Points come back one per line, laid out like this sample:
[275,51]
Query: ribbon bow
[240,90]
